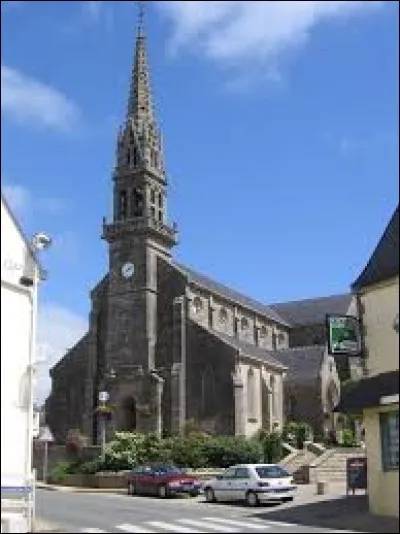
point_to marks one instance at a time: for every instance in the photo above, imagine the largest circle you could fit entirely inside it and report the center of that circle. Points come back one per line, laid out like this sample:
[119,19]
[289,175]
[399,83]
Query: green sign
[343,335]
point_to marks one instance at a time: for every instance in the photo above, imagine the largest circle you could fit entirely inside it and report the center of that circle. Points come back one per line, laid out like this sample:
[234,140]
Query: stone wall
[57,454]
[209,383]
[66,405]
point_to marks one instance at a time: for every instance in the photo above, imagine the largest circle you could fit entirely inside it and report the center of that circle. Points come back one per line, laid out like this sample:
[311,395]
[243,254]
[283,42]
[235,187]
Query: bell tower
[137,234]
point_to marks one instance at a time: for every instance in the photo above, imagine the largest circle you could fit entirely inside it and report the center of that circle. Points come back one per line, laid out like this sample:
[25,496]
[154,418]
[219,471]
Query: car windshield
[167,469]
[271,471]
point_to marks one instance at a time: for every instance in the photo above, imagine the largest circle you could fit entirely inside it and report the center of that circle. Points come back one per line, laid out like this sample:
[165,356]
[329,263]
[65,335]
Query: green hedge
[129,449]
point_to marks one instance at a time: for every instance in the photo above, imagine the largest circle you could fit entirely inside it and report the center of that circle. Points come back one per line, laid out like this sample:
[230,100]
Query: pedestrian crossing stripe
[242,524]
[188,526]
[201,525]
[126,527]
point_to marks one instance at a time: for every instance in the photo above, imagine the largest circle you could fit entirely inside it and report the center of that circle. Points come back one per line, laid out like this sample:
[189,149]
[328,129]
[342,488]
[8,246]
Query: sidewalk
[42,525]
[73,489]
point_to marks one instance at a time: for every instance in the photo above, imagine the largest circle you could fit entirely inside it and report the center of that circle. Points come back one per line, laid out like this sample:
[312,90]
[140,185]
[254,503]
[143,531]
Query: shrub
[272,447]
[226,450]
[348,438]
[89,468]
[296,433]
[187,451]
[59,472]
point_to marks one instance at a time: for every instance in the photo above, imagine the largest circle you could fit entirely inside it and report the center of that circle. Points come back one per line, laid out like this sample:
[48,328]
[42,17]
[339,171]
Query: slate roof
[230,294]
[312,311]
[248,348]
[384,262]
[367,392]
[303,363]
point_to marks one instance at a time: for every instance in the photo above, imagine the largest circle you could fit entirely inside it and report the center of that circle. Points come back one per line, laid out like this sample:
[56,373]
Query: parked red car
[162,480]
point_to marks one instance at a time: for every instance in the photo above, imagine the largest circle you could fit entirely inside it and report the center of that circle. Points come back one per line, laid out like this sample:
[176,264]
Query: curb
[73,489]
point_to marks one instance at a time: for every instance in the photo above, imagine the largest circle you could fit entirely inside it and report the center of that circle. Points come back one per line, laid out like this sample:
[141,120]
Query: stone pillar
[159,388]
[177,417]
[240,408]
[178,371]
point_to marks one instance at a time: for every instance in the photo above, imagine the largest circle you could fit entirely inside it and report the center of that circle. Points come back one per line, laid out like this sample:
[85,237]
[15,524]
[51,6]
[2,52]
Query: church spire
[140,184]
[140,106]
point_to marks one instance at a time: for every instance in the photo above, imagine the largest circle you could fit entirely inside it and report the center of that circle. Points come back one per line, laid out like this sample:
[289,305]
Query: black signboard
[356,471]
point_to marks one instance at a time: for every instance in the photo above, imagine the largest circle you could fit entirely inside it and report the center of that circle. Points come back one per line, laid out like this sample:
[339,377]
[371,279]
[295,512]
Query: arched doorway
[128,412]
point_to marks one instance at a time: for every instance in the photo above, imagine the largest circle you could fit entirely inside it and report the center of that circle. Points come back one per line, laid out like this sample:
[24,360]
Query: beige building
[377,395]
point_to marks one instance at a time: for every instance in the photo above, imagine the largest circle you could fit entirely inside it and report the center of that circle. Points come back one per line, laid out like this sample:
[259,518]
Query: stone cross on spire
[140,106]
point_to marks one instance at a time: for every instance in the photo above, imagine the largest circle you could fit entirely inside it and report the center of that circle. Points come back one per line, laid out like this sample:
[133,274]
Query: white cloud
[27,100]
[240,33]
[23,202]
[58,330]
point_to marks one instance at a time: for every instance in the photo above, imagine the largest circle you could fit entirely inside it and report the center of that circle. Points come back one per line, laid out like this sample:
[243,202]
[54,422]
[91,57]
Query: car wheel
[210,495]
[251,498]
[195,493]
[163,491]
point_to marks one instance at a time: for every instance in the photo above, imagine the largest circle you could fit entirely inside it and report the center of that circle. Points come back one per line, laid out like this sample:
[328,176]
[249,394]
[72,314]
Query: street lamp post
[102,411]
[103,398]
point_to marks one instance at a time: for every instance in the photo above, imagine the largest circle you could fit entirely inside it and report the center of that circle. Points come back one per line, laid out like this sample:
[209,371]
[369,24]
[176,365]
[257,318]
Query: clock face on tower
[127,270]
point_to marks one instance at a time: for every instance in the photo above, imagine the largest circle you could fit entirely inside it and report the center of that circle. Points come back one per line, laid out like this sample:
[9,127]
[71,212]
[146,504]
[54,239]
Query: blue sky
[280,122]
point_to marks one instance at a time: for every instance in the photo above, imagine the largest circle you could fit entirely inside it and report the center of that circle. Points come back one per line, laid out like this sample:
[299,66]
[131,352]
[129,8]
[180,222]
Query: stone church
[167,343]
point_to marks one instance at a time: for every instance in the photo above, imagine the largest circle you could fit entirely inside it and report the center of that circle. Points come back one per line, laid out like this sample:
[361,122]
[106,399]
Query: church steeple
[139,174]
[140,105]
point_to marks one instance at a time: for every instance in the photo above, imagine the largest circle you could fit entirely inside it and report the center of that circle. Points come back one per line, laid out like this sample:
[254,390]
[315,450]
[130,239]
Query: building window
[197,304]
[244,323]
[160,216]
[153,212]
[137,201]
[223,315]
[281,338]
[135,156]
[251,395]
[152,196]
[263,331]
[389,424]
[274,344]
[160,200]
[122,205]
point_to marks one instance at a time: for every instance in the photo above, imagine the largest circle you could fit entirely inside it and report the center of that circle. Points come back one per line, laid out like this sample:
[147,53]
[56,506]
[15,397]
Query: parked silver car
[252,483]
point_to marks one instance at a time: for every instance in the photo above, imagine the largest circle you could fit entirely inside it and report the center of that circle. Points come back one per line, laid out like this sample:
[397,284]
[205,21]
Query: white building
[20,273]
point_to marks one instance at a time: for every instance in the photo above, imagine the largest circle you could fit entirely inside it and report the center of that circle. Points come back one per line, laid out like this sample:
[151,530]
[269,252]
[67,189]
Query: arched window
[263,331]
[123,205]
[197,304]
[273,395]
[223,315]
[252,391]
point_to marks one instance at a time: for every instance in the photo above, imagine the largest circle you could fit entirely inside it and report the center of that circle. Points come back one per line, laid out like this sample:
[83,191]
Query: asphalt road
[86,512]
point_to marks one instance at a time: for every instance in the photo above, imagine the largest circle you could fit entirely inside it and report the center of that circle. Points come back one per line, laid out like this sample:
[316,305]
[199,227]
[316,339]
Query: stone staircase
[331,465]
[297,462]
